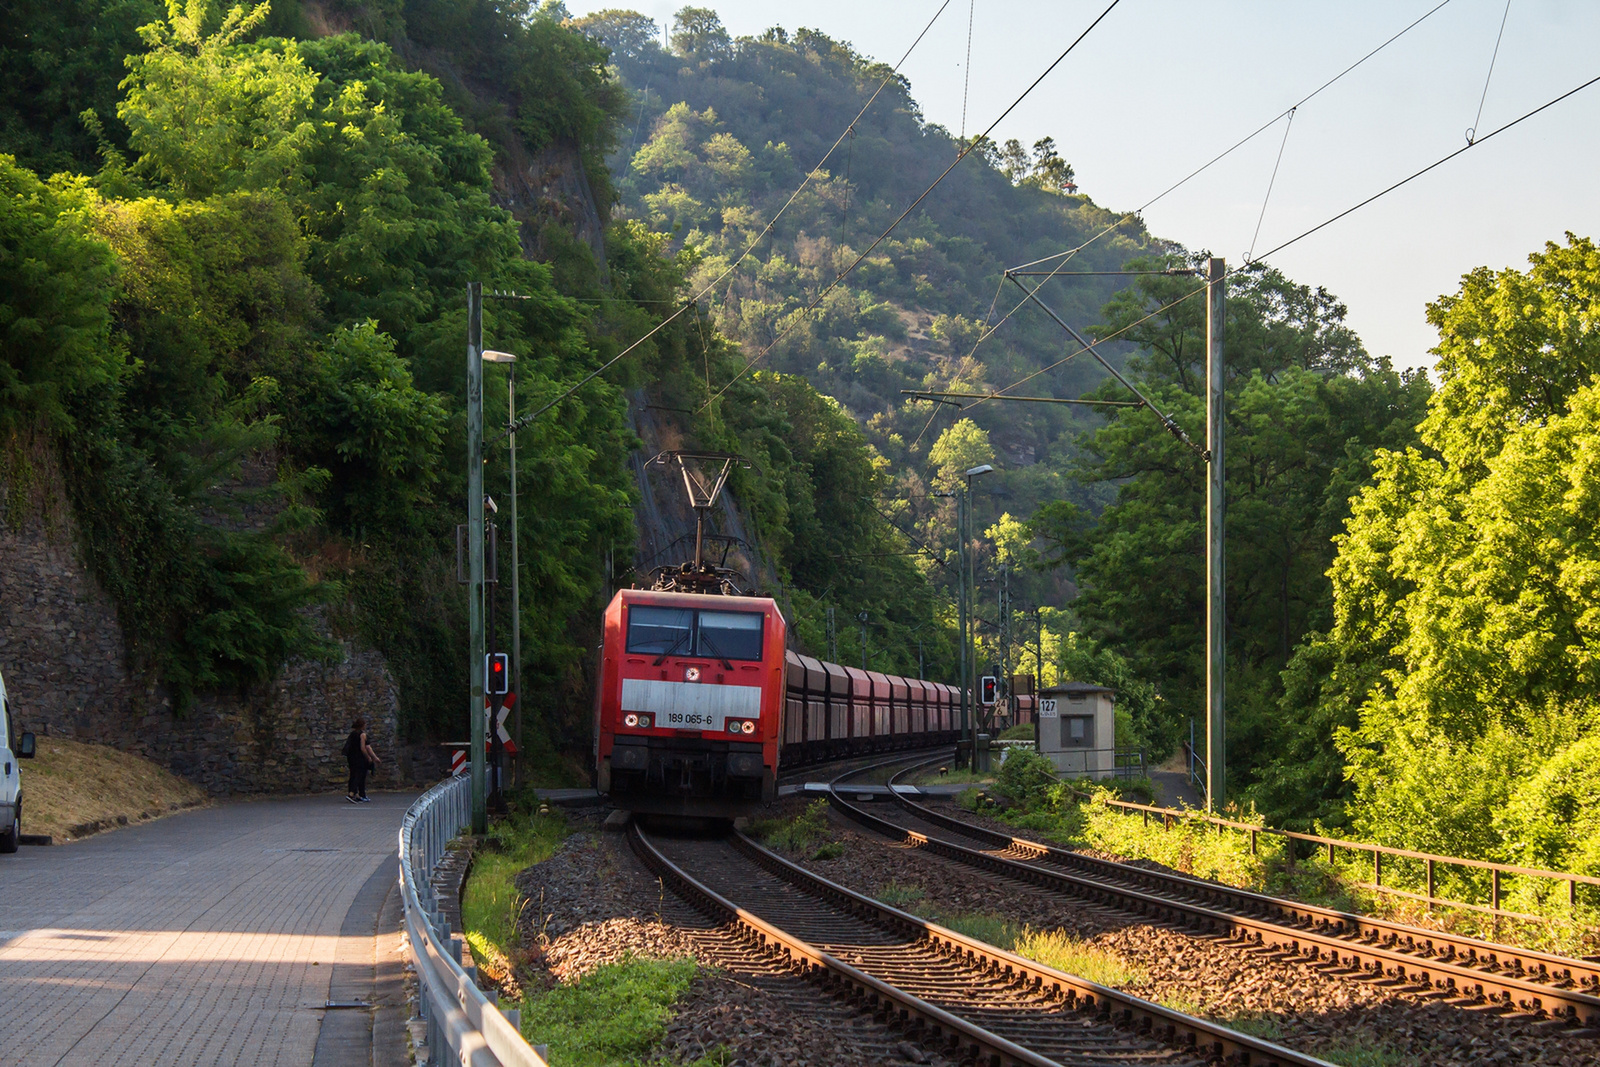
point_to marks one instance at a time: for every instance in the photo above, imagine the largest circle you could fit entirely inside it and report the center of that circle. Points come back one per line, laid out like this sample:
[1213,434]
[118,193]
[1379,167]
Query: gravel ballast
[593,903]
[1297,1004]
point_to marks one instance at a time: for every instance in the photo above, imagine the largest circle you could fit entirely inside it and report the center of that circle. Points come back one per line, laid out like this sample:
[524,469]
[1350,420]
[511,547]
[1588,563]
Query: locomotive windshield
[685,632]
[729,634]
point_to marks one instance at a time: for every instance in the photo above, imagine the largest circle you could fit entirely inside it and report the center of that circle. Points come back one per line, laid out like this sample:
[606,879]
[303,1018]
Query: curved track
[1429,961]
[943,989]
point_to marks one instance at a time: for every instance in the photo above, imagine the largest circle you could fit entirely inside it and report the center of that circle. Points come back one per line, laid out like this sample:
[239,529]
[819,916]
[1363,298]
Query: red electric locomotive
[689,704]
[700,701]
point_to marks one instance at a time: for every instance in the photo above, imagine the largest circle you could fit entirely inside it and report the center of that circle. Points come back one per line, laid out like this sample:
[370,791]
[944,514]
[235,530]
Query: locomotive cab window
[726,635]
[660,631]
[730,635]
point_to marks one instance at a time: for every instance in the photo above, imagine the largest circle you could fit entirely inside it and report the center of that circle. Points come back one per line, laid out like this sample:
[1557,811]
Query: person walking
[359,755]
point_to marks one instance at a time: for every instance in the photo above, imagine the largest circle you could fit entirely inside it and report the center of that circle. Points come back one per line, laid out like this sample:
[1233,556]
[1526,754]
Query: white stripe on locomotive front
[690,703]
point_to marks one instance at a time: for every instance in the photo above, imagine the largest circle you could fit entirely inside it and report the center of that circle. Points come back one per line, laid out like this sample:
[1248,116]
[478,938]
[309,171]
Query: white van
[13,747]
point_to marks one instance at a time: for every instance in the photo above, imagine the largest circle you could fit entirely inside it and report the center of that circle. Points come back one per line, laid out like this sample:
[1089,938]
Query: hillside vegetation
[233,247]
[722,132]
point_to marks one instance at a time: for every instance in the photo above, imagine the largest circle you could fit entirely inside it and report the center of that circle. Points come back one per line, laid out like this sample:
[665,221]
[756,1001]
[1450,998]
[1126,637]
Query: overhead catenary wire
[528,419]
[966,70]
[1067,255]
[1248,256]
[998,394]
[1472,131]
[884,236]
[1246,139]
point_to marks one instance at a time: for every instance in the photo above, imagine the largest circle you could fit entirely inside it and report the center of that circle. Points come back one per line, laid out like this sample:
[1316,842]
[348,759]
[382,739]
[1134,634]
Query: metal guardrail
[466,1026]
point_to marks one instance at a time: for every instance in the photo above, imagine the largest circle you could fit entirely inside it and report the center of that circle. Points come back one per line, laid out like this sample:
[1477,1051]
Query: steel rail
[464,1025]
[1127,1012]
[1319,934]
[1563,972]
[834,974]
[1124,1012]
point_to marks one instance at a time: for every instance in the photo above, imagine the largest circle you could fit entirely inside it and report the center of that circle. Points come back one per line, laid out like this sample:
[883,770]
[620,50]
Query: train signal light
[496,674]
[987,689]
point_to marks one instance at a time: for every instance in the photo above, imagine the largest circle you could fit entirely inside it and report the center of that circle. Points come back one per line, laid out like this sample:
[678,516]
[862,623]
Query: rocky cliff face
[663,518]
[66,671]
[549,188]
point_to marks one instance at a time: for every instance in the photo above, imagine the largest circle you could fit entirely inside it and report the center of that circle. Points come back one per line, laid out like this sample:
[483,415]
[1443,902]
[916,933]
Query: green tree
[627,34]
[963,446]
[1464,645]
[59,68]
[698,33]
[55,277]
[204,117]
[380,435]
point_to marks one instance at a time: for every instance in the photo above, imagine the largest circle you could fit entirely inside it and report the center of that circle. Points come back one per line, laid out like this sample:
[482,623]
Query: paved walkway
[204,938]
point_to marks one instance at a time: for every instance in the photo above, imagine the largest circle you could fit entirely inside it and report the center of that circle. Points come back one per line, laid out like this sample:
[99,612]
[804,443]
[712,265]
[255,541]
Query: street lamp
[510,360]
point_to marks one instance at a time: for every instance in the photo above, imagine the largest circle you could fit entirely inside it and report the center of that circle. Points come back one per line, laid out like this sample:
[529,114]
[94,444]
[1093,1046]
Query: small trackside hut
[1077,729]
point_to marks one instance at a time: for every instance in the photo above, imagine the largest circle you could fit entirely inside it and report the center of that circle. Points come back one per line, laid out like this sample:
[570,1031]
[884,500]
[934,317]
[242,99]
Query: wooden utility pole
[1216,619]
[475,660]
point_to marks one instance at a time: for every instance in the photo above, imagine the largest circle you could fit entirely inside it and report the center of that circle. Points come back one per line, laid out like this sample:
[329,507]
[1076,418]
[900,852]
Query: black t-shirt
[352,749]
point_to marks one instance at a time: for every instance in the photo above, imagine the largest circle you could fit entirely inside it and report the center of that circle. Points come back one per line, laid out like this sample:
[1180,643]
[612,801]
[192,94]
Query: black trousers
[358,778]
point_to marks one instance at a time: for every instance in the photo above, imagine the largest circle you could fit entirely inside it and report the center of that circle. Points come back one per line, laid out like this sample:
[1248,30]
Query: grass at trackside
[489,899]
[1028,796]
[1053,948]
[616,1014]
[805,834]
[1056,948]
[949,775]
[71,789]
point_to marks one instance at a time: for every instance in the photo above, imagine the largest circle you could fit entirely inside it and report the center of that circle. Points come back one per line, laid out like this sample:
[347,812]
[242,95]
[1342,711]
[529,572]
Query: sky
[1162,86]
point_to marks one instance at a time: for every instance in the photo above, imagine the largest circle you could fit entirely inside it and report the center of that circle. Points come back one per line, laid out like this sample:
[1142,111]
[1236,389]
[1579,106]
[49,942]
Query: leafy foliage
[1464,627]
[55,318]
[1307,410]
[59,68]
[261,308]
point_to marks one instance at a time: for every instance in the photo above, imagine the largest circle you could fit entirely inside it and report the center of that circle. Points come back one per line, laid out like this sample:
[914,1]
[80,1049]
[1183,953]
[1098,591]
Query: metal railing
[1425,862]
[465,1025]
[1126,763]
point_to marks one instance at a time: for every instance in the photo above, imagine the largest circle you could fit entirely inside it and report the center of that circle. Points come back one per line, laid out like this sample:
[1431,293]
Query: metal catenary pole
[1005,633]
[516,574]
[480,815]
[1216,620]
[961,602]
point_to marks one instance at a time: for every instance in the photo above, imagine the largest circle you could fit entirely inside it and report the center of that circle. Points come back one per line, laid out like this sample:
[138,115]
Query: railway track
[970,1000]
[1431,963]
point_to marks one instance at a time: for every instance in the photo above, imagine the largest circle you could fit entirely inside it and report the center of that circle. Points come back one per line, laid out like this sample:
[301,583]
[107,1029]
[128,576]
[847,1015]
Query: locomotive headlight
[748,727]
[630,720]
[733,726]
[647,721]
[691,674]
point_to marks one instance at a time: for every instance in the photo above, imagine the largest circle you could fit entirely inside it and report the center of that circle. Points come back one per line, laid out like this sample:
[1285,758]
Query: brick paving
[203,938]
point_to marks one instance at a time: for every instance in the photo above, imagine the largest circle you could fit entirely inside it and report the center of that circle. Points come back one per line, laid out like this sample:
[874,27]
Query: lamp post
[510,361]
[475,662]
[968,574]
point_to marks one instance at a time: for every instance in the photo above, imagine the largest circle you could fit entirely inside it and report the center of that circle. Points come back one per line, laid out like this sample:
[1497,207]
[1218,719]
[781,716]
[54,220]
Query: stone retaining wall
[65,667]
